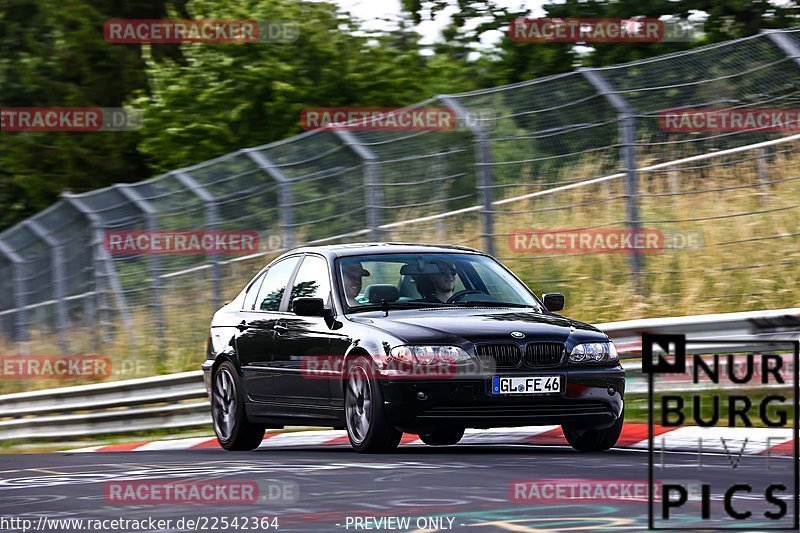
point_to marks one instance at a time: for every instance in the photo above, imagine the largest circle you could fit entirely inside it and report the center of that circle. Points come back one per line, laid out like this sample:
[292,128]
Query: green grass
[636,407]
[759,273]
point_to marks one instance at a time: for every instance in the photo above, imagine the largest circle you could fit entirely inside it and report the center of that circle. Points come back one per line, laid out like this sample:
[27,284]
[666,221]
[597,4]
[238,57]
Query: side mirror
[305,306]
[553,301]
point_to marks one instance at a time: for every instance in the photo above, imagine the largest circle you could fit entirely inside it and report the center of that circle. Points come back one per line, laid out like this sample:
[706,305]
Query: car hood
[480,325]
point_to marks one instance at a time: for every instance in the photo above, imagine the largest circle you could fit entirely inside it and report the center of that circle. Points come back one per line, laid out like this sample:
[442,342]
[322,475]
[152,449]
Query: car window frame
[347,309]
[287,294]
[258,279]
[288,283]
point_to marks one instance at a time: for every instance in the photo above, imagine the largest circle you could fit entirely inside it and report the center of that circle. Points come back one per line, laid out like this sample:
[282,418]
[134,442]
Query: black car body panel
[269,349]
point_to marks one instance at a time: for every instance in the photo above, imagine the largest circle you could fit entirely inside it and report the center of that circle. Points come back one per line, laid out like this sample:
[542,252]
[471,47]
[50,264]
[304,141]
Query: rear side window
[312,280]
[252,292]
[274,285]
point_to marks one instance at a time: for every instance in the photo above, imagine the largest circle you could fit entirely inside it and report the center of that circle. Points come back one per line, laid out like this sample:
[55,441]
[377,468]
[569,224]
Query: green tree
[221,97]
[53,54]
[515,61]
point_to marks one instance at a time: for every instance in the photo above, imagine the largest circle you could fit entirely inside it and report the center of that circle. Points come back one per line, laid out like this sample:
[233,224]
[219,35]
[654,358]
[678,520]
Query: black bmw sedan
[388,338]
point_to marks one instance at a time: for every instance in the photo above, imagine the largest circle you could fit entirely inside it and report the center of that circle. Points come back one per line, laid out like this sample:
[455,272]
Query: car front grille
[544,353]
[499,355]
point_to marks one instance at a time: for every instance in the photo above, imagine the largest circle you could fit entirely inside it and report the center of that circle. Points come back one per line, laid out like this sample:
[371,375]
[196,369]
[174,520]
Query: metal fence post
[372,190]
[105,274]
[57,278]
[20,296]
[440,170]
[285,195]
[483,169]
[627,134]
[762,174]
[787,45]
[153,261]
[211,215]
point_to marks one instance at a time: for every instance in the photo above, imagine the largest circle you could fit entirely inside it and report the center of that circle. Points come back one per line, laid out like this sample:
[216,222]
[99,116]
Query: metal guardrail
[170,401]
[180,400]
[779,324]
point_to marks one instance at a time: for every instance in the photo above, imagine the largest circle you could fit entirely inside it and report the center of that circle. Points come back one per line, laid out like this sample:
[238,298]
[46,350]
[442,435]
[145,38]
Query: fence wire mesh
[584,150]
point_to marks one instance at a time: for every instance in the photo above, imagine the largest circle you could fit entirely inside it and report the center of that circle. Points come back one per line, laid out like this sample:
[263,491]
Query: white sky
[375,14]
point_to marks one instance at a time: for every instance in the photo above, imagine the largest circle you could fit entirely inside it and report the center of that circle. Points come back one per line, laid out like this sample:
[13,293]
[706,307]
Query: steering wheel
[457,296]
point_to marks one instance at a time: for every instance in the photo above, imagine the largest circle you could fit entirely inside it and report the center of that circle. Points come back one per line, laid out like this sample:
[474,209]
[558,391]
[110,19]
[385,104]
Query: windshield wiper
[493,303]
[386,306]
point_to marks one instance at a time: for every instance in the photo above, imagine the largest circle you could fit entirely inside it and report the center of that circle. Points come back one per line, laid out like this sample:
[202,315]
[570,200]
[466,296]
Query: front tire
[234,431]
[442,436]
[593,440]
[368,427]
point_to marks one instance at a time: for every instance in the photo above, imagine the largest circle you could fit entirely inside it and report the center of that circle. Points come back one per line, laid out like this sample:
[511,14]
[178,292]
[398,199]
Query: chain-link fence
[585,150]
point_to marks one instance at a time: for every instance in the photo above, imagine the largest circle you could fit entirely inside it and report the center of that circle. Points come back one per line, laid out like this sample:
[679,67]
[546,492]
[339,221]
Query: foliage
[53,54]
[204,100]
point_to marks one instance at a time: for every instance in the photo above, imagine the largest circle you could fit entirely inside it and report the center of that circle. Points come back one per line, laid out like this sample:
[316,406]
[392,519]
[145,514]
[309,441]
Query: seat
[379,291]
[408,288]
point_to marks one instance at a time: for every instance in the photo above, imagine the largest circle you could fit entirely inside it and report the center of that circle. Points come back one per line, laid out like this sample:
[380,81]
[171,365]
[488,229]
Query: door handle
[242,326]
[279,328]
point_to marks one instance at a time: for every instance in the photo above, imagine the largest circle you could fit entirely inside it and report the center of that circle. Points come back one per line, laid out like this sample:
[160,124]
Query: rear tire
[234,432]
[442,436]
[368,427]
[593,440]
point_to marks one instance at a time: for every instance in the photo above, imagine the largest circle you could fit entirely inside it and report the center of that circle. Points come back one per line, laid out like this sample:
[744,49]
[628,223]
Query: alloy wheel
[224,404]
[358,404]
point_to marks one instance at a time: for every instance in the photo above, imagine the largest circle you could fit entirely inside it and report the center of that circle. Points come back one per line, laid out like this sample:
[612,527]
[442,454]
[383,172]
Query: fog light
[612,390]
[422,396]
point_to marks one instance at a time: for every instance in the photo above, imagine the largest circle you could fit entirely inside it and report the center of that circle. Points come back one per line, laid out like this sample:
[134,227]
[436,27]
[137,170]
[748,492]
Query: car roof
[361,248]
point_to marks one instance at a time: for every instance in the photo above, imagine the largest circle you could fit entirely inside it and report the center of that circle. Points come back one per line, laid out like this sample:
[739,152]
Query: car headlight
[428,355]
[594,352]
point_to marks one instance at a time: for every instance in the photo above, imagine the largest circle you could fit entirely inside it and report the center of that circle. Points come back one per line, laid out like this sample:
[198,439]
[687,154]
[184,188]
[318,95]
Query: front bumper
[590,397]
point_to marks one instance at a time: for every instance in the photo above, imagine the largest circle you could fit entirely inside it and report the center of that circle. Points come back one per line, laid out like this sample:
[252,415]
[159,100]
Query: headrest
[377,292]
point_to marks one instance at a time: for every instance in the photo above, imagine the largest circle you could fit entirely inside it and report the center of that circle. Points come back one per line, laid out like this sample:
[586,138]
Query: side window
[274,285]
[312,280]
[252,292]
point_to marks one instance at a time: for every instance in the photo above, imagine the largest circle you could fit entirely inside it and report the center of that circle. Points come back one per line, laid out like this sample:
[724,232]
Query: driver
[438,287]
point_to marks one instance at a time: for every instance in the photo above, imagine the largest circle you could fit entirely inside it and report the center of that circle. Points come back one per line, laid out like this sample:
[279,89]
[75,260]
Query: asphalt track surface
[466,486]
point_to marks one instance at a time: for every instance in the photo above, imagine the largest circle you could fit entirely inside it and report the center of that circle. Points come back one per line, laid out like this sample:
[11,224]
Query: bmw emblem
[517,334]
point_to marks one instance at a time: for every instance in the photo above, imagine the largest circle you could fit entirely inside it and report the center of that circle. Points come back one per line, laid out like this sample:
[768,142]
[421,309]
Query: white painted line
[301,438]
[84,450]
[715,439]
[503,435]
[177,444]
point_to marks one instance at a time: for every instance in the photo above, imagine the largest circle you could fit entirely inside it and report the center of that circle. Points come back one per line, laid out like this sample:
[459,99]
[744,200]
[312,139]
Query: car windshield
[429,280]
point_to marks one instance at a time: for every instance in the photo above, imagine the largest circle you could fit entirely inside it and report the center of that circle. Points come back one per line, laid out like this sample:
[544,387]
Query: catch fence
[580,151]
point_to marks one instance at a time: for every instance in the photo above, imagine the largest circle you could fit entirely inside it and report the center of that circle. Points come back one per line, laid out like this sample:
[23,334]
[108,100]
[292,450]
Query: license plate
[526,385]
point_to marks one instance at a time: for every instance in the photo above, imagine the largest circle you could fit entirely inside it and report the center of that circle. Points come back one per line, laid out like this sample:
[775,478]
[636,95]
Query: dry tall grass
[748,260]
